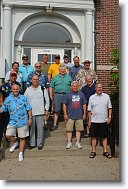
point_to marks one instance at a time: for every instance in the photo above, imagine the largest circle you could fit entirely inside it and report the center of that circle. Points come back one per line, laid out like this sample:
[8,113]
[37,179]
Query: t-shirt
[54,69]
[75,102]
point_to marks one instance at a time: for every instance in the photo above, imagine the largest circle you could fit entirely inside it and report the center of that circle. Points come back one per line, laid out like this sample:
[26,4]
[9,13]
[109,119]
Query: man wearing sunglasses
[43,79]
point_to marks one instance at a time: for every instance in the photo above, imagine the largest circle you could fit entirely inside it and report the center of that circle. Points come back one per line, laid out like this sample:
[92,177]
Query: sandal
[92,155]
[107,155]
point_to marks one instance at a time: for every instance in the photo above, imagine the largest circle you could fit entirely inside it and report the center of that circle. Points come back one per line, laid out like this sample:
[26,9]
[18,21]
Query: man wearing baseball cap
[53,69]
[25,69]
[5,90]
[67,63]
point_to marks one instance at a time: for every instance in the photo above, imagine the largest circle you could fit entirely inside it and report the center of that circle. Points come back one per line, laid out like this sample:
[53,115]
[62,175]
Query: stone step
[55,141]
[50,152]
[55,133]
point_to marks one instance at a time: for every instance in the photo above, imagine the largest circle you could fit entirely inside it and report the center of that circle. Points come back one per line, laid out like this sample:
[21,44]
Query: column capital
[7,7]
[89,11]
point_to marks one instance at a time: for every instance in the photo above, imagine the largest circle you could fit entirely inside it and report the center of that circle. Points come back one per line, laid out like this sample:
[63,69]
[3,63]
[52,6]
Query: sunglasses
[25,58]
[38,66]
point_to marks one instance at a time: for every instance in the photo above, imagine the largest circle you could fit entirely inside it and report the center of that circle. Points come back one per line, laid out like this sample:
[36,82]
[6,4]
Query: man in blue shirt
[43,79]
[74,70]
[20,118]
[25,69]
[74,106]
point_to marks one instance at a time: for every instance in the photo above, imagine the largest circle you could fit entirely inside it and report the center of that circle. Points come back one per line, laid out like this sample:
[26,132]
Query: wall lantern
[49,9]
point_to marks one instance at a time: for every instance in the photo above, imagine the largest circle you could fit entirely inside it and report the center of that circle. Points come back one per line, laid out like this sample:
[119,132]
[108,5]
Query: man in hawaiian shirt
[86,70]
[20,118]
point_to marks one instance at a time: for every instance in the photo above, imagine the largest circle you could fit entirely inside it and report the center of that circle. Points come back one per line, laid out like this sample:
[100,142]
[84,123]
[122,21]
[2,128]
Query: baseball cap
[66,56]
[57,56]
[24,56]
[13,73]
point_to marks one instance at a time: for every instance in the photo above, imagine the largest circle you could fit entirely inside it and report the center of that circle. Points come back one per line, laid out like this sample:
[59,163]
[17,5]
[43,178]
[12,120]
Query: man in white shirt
[39,101]
[15,67]
[99,115]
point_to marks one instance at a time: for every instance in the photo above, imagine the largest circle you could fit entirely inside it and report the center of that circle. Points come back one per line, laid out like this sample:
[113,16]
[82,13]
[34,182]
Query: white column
[7,36]
[89,35]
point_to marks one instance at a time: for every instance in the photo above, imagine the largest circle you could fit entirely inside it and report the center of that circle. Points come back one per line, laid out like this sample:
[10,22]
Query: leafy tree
[114,59]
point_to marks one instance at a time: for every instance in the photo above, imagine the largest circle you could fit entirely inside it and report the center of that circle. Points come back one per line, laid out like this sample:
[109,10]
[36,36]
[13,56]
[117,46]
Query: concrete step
[55,133]
[50,152]
[55,141]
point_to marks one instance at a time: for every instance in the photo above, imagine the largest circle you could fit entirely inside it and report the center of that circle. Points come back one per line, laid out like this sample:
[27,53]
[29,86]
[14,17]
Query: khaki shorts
[22,131]
[78,125]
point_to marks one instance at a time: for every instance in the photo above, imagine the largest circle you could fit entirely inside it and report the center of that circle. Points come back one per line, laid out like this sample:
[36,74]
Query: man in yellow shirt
[53,69]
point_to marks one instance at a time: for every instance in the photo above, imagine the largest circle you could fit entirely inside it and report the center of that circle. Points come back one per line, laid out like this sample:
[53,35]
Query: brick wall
[107,26]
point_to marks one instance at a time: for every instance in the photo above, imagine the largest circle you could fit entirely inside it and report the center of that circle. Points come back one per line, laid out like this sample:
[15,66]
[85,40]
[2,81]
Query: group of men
[27,93]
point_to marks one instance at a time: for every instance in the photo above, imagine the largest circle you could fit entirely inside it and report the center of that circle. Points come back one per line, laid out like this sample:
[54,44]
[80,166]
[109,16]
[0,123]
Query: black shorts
[99,130]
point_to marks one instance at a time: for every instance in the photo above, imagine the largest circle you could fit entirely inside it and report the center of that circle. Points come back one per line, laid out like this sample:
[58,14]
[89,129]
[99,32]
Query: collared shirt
[43,79]
[74,70]
[17,108]
[38,99]
[25,71]
[19,77]
[61,83]
[54,69]
[99,105]
[5,88]
[80,77]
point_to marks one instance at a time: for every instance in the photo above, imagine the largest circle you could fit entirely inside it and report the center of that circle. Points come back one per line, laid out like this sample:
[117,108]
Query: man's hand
[30,121]
[84,116]
[65,117]
[109,120]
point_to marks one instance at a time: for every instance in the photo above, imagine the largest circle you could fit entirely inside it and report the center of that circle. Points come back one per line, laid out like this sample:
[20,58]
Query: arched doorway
[39,35]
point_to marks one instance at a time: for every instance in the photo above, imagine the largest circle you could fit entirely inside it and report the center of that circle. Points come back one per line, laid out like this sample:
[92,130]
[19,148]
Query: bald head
[89,80]
[15,89]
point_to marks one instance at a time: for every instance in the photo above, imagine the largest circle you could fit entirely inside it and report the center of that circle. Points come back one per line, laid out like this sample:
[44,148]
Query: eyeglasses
[38,66]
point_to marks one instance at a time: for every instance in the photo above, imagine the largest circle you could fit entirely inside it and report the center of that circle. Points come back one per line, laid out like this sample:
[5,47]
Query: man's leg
[32,133]
[69,136]
[22,144]
[40,130]
[94,143]
[78,136]
[56,115]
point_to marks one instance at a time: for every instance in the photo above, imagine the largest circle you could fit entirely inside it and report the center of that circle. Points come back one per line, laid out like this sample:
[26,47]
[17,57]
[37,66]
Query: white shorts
[22,131]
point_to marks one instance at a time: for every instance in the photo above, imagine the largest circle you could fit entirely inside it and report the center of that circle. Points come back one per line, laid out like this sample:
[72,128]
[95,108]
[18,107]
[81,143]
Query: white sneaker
[69,145]
[78,144]
[21,158]
[13,146]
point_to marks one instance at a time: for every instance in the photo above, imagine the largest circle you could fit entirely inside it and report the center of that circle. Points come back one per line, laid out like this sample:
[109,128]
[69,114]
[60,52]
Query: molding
[104,67]
[34,44]
[70,4]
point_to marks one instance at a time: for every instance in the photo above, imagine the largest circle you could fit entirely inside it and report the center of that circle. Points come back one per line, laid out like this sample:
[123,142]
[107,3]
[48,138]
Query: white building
[38,27]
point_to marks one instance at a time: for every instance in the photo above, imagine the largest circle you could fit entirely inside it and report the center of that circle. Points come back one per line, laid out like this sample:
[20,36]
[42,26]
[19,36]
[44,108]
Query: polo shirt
[25,71]
[38,100]
[61,83]
[99,105]
[53,69]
